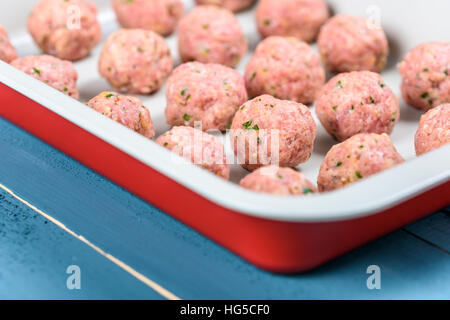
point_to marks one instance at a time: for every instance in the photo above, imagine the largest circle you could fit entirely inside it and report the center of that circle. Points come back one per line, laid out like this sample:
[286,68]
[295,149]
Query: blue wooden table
[56,213]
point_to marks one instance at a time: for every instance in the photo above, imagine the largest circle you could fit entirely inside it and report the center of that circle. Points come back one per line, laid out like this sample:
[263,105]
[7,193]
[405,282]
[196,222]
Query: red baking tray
[280,234]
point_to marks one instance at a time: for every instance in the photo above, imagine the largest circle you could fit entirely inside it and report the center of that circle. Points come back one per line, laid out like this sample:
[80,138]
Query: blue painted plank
[435,229]
[35,255]
[186,263]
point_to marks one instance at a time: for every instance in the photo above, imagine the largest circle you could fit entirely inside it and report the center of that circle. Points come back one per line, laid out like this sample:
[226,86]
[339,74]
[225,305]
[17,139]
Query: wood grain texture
[171,254]
[35,254]
[434,229]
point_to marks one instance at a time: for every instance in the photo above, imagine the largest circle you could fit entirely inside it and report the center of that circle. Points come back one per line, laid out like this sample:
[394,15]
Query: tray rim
[376,193]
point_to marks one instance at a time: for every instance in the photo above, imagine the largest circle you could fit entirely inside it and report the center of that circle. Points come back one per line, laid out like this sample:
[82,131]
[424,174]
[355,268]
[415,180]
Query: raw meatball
[211,34]
[297,18]
[357,102]
[159,16]
[59,74]
[286,68]
[7,51]
[233,5]
[266,130]
[135,61]
[425,71]
[278,181]
[434,129]
[200,148]
[126,110]
[349,43]
[210,93]
[68,29]
[357,158]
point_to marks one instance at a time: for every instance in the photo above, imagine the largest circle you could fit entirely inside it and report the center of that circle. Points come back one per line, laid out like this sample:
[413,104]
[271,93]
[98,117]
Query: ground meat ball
[56,29]
[285,68]
[159,16]
[349,43]
[278,181]
[357,102]
[211,34]
[7,51]
[357,158]
[210,93]
[425,71]
[135,61]
[126,110]
[200,148]
[434,129]
[259,122]
[233,5]
[297,18]
[57,73]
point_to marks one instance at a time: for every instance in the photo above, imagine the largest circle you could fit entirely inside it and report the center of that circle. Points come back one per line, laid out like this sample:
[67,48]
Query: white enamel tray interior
[406,22]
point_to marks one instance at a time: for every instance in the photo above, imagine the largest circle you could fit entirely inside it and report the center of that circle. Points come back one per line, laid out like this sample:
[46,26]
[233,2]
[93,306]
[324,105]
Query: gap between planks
[150,283]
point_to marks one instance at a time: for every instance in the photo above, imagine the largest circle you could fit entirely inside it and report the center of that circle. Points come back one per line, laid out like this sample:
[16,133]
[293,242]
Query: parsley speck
[247,124]
[37,71]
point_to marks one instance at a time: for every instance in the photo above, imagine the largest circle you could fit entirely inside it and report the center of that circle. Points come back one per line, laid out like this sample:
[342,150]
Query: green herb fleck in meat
[247,124]
[37,71]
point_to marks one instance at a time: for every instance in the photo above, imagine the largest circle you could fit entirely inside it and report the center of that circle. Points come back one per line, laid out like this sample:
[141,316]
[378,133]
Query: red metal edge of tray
[276,246]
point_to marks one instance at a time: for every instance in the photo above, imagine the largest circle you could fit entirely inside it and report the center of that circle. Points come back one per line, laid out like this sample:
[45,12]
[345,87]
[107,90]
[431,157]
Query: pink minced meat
[135,61]
[54,26]
[286,68]
[357,158]
[211,34]
[260,122]
[297,18]
[425,71]
[349,43]
[233,5]
[59,74]
[7,51]
[159,16]
[210,93]
[127,110]
[357,102]
[199,147]
[278,181]
[434,129]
